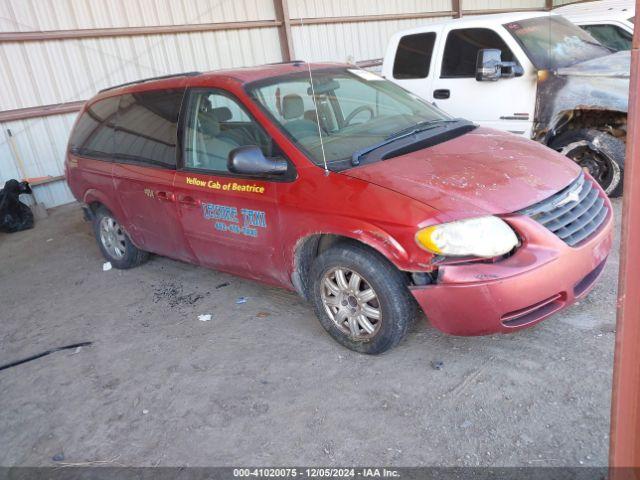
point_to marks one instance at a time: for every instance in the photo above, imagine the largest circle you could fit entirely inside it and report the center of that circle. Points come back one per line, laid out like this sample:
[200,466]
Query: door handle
[189,201]
[441,94]
[166,196]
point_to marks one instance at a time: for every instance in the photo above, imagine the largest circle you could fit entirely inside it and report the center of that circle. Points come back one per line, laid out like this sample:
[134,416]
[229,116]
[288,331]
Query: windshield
[356,109]
[553,42]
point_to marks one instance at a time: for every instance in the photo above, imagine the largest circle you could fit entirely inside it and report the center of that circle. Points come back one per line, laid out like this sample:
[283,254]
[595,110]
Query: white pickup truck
[532,74]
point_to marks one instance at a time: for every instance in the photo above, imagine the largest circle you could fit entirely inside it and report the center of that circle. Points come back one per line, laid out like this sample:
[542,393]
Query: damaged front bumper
[544,276]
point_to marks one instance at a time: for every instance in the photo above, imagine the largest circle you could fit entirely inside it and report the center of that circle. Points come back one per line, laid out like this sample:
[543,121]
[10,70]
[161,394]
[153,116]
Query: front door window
[216,124]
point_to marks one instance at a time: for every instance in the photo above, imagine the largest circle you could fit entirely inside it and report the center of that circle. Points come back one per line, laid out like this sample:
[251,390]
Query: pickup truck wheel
[602,154]
[361,299]
[114,243]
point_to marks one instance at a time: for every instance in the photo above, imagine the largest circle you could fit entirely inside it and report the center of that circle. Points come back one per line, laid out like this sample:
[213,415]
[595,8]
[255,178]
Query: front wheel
[600,153]
[361,299]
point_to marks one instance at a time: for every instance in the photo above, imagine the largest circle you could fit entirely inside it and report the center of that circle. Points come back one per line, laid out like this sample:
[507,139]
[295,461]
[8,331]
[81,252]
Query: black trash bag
[14,215]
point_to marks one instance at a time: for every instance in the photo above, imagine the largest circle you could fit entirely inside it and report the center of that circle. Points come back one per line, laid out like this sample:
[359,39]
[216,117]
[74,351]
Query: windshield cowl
[420,136]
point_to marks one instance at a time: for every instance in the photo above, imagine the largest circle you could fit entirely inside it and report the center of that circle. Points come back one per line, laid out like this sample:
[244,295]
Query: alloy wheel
[351,303]
[112,237]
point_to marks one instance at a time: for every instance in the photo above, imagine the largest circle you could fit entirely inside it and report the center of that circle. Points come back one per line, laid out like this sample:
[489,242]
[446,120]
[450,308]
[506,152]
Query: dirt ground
[261,383]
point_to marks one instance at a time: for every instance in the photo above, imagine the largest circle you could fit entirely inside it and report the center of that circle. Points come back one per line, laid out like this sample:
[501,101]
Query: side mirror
[490,67]
[250,160]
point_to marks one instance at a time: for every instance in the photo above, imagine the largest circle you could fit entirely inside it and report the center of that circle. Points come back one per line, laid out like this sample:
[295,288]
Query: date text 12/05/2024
[227,219]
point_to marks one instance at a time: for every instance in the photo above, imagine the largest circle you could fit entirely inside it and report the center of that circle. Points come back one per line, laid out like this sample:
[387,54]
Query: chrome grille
[574,214]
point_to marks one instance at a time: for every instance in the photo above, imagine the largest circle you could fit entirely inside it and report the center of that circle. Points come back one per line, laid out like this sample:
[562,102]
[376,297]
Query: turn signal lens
[484,237]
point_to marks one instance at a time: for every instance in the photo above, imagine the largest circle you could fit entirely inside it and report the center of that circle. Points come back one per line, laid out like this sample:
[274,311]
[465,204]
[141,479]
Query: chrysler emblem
[571,197]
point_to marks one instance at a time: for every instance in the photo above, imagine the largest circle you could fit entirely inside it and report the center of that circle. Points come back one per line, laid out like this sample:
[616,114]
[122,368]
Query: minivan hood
[479,173]
[615,65]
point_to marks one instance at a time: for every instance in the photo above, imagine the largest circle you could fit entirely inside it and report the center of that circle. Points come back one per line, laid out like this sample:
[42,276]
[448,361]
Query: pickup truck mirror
[490,67]
[250,160]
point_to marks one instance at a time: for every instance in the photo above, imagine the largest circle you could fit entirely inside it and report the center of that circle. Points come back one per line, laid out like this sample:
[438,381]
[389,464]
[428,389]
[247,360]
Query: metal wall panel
[347,42]
[30,15]
[343,8]
[500,4]
[41,143]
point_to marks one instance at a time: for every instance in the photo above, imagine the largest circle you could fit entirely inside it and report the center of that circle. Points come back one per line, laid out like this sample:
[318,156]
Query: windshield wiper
[420,127]
[405,132]
[598,44]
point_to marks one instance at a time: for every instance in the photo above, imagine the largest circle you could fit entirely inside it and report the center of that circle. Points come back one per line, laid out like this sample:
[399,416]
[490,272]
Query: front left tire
[360,298]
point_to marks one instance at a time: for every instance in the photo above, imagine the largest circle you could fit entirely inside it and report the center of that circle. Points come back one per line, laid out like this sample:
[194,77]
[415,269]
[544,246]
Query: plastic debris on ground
[58,457]
[437,365]
[106,266]
[241,300]
[204,318]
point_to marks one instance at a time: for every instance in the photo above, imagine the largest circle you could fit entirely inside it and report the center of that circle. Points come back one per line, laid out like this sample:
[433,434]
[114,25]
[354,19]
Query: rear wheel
[114,242]
[602,154]
[361,299]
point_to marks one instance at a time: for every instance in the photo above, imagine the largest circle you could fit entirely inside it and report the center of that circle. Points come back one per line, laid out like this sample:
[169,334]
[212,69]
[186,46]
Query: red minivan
[331,181]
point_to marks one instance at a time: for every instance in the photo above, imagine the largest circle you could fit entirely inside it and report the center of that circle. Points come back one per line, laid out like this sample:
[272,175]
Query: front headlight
[484,237]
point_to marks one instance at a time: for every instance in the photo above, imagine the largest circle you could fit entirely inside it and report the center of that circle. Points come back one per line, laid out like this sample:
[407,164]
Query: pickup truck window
[413,57]
[356,109]
[610,36]
[553,42]
[461,51]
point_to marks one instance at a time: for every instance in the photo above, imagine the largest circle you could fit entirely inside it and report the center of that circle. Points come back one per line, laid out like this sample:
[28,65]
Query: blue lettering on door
[227,220]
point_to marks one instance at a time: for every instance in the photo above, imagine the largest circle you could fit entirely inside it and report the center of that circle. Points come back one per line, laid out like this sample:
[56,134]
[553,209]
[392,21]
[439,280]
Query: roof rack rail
[142,80]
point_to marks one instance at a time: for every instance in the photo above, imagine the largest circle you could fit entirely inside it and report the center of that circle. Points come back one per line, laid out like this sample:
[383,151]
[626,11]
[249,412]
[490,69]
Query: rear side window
[413,56]
[147,127]
[461,51]
[610,36]
[93,135]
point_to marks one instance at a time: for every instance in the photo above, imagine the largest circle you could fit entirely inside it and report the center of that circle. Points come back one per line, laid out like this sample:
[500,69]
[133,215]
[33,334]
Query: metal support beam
[284,29]
[456,6]
[296,22]
[41,111]
[625,403]
[37,36]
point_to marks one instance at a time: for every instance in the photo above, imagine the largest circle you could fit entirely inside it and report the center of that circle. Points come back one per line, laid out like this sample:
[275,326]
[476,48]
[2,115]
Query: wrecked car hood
[615,65]
[482,172]
[597,84]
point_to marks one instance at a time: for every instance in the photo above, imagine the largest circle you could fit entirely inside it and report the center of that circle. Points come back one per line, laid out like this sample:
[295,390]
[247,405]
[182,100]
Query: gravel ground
[261,383]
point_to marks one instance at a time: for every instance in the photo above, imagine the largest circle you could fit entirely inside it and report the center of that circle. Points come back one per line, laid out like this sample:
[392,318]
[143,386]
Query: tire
[393,302]
[601,153]
[112,239]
